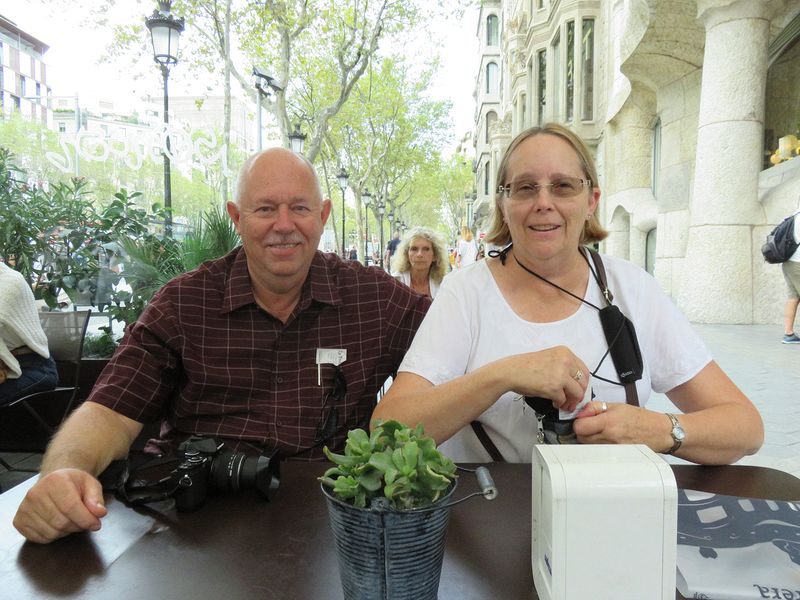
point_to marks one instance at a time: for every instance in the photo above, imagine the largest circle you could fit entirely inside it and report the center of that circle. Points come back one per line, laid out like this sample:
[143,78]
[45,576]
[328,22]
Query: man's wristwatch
[677,433]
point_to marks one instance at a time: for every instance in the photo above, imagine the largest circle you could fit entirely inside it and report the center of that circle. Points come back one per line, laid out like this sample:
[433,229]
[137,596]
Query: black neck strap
[558,287]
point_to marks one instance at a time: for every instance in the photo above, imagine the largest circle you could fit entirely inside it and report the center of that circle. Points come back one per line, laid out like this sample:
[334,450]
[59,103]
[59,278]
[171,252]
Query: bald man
[244,349]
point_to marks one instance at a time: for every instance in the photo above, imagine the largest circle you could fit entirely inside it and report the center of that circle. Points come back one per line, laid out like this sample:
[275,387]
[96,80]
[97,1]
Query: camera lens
[238,471]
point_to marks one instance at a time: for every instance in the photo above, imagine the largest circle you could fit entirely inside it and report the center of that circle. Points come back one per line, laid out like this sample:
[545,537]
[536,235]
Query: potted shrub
[388,505]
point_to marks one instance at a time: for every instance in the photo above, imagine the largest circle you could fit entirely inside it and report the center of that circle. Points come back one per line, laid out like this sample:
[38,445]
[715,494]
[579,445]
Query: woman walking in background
[420,261]
[467,250]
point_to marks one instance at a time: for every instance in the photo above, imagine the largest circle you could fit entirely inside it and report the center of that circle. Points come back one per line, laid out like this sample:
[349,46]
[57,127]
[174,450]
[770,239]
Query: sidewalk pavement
[768,372]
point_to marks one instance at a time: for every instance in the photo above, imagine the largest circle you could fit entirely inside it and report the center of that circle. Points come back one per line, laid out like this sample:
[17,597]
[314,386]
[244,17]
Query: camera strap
[629,353]
[124,478]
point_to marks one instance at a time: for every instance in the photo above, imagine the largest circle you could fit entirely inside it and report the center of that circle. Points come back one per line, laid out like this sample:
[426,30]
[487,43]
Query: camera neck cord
[601,285]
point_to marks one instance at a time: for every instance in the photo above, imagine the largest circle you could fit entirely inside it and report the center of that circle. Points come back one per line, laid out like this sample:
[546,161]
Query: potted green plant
[388,506]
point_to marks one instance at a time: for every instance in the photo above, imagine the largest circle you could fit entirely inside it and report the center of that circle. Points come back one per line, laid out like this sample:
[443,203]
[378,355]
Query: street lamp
[263,84]
[296,138]
[342,177]
[165,31]
[390,216]
[472,207]
[381,209]
[468,200]
[367,198]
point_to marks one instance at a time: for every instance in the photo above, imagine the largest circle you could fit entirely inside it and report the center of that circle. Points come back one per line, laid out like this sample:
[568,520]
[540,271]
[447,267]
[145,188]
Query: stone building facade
[683,103]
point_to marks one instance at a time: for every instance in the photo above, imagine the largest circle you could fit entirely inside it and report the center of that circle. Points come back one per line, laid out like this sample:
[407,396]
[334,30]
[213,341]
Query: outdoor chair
[65,334]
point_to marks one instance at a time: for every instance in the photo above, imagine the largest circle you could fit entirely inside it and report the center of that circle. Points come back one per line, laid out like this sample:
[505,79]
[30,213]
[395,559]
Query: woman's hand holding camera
[554,373]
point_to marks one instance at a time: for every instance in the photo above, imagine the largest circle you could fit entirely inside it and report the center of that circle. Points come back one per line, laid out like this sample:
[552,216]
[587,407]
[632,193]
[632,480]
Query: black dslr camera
[207,465]
[203,465]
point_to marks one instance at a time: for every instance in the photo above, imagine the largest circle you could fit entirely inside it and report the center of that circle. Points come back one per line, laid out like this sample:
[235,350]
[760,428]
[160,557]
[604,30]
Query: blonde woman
[526,323]
[421,261]
[467,251]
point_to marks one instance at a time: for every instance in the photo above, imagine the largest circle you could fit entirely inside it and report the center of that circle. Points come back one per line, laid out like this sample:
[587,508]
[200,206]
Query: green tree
[385,137]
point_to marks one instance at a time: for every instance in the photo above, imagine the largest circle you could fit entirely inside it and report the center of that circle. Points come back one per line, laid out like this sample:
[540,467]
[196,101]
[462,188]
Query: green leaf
[371,480]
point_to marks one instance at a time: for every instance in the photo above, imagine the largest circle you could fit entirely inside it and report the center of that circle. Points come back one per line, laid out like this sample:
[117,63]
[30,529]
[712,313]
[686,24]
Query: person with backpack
[791,273]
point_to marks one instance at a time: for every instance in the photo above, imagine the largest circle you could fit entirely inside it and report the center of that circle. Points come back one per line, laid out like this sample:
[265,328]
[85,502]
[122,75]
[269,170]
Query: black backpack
[780,244]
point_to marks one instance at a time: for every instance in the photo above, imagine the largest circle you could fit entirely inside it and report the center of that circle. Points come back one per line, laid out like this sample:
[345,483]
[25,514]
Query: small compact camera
[555,426]
[206,465]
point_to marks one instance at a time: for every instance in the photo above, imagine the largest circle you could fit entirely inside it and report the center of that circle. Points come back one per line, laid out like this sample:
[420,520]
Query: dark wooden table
[238,546]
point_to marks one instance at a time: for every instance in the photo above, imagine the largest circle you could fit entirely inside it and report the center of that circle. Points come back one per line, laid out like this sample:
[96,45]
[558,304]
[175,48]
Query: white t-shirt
[468,251]
[471,324]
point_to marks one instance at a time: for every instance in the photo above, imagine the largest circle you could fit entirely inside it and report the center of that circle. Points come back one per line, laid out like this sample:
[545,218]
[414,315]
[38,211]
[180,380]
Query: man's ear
[233,213]
[326,210]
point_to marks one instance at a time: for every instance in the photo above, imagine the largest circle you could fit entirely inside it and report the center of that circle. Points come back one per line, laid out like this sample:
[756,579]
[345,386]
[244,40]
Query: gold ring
[603,407]
[578,375]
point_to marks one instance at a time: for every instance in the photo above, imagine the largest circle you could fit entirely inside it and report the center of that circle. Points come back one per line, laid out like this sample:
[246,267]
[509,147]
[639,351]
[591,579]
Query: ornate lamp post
[343,177]
[367,198]
[381,210]
[297,138]
[472,207]
[390,216]
[165,31]
[263,83]
[468,200]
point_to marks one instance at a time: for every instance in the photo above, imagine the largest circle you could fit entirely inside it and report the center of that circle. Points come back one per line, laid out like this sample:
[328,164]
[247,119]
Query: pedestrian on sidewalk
[791,273]
[467,249]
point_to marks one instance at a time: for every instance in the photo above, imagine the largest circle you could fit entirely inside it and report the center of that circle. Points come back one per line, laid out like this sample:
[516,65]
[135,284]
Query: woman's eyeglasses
[329,421]
[525,191]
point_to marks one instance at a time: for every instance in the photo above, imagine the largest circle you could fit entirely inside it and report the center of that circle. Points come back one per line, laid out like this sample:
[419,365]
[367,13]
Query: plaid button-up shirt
[206,359]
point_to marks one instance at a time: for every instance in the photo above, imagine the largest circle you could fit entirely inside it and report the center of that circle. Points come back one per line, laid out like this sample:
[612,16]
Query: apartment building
[683,104]
[23,72]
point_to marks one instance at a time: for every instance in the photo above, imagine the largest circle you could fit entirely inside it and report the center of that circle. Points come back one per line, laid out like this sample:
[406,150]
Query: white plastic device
[604,523]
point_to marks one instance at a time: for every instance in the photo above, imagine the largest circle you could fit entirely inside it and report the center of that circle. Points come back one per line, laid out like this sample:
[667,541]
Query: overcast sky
[74,51]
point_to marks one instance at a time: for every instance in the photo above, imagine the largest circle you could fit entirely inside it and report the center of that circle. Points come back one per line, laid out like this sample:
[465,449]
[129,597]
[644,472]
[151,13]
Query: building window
[523,113]
[486,179]
[22,86]
[541,62]
[570,88]
[492,30]
[491,119]
[650,251]
[62,127]
[38,90]
[587,74]
[654,168]
[492,74]
[555,113]
[15,99]
[540,4]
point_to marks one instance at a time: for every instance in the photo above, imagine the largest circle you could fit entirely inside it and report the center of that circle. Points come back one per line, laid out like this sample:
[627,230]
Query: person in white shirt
[791,273]
[25,363]
[467,250]
[525,323]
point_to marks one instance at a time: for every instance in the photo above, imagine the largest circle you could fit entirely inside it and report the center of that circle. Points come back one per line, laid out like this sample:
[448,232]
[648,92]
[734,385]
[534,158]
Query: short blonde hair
[593,231]
[401,264]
